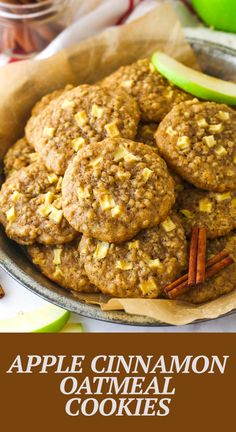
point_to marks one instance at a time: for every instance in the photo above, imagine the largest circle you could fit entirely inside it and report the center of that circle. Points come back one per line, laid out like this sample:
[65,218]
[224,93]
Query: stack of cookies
[109,179]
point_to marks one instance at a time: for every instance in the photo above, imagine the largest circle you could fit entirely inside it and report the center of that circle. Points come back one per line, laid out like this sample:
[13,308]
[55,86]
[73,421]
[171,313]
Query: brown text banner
[102,381]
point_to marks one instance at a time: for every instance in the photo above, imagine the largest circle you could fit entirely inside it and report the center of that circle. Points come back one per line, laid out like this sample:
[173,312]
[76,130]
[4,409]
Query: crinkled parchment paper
[23,83]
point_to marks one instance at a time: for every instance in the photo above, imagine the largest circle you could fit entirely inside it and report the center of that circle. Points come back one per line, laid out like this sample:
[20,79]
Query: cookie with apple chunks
[155,95]
[115,188]
[213,210]
[140,267]
[78,117]
[223,282]
[45,100]
[31,209]
[146,134]
[198,140]
[20,155]
[62,264]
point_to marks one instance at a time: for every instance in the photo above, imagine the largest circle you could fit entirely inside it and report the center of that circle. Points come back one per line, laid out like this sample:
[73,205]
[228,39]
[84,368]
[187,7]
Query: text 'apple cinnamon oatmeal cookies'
[115,188]
[198,140]
[140,267]
[216,211]
[30,207]
[81,116]
[154,94]
[62,264]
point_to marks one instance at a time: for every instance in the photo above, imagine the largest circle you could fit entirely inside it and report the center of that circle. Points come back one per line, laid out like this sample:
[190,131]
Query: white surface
[18,299]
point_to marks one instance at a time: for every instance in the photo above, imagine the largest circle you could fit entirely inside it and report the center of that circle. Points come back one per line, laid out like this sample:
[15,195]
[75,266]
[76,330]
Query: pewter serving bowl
[214,59]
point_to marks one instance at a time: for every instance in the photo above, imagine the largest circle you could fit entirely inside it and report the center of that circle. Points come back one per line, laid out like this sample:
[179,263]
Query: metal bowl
[215,60]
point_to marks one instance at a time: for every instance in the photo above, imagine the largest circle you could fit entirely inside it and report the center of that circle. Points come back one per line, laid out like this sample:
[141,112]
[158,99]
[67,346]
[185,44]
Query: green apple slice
[72,328]
[48,319]
[194,82]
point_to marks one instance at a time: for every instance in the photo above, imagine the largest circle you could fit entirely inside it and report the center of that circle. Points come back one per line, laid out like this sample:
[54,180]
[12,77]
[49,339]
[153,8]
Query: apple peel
[48,319]
[194,82]
[72,328]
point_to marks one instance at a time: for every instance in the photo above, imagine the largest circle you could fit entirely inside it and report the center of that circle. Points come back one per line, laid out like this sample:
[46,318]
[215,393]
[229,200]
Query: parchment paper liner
[23,83]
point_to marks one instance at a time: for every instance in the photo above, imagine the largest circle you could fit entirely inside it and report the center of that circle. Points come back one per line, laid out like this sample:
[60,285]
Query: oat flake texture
[78,117]
[115,188]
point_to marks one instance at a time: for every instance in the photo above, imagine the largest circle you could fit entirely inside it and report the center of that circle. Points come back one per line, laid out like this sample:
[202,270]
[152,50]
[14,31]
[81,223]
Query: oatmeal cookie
[20,155]
[62,264]
[80,116]
[30,207]
[154,94]
[141,267]
[115,188]
[146,134]
[224,281]
[213,210]
[198,140]
[43,103]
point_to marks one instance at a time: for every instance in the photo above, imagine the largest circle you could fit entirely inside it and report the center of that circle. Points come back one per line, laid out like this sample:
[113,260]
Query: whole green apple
[220,14]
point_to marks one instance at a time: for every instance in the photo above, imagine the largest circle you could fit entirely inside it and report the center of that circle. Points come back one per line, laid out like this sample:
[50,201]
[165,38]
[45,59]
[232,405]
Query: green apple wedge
[72,328]
[194,82]
[48,319]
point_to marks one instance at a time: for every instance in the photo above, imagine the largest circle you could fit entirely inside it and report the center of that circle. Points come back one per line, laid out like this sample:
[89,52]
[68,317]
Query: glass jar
[26,29]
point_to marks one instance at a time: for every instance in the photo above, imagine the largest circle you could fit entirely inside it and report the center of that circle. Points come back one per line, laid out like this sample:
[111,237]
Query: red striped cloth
[132,4]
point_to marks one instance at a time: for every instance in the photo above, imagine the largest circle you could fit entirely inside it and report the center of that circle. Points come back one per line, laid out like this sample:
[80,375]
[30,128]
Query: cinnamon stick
[7,40]
[2,292]
[213,266]
[193,257]
[201,256]
[179,290]
[47,33]
[219,266]
[216,258]
[23,38]
[176,283]
[210,262]
[201,266]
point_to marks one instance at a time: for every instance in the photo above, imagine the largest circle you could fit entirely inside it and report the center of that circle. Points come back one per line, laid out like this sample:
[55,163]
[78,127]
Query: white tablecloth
[19,299]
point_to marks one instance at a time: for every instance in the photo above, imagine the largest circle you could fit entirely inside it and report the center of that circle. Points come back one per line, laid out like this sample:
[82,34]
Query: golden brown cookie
[198,140]
[62,264]
[213,210]
[80,116]
[155,95]
[115,188]
[146,134]
[20,155]
[30,207]
[140,267]
[43,103]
